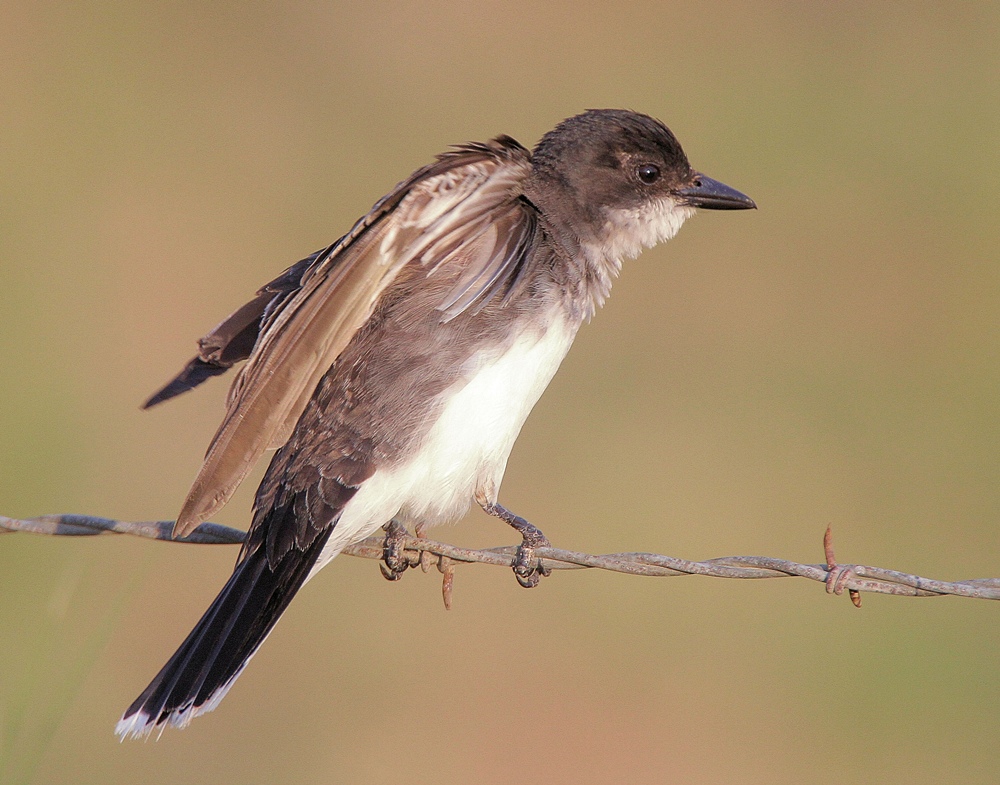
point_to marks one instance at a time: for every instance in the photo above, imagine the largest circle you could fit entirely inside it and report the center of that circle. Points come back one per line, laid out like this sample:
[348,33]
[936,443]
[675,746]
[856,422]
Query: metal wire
[425,553]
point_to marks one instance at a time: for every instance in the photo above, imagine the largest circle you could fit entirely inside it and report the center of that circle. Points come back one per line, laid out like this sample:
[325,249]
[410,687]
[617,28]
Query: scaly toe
[527,569]
[394,561]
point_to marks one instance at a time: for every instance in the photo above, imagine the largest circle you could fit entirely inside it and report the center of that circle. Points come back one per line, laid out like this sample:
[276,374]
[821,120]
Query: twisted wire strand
[853,578]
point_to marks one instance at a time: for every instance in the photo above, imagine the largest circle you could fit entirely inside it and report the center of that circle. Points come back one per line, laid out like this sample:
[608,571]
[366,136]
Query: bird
[392,370]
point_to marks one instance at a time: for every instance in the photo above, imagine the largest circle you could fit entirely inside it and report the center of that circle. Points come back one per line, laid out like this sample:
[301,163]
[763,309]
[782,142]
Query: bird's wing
[233,339]
[465,208]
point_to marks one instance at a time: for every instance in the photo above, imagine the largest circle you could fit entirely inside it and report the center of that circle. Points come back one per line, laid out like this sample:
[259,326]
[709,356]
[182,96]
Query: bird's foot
[394,560]
[527,568]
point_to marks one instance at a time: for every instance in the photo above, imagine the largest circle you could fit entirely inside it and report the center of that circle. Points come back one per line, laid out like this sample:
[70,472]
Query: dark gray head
[621,180]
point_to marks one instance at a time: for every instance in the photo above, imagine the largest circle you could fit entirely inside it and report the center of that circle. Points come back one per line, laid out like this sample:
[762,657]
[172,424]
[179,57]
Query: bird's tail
[205,666]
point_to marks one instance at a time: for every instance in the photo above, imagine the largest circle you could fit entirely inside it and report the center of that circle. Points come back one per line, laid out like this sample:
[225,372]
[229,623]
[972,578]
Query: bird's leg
[394,561]
[527,569]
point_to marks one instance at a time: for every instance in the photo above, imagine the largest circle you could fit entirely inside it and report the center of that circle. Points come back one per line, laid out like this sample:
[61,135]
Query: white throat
[626,233]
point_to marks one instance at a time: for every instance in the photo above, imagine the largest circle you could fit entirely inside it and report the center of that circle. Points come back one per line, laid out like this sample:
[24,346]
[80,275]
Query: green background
[829,359]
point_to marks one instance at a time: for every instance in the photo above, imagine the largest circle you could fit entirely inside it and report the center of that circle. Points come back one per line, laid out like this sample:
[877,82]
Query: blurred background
[832,358]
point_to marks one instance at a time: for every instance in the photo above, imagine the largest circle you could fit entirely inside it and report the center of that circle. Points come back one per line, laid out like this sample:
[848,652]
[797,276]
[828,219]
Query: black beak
[713,195]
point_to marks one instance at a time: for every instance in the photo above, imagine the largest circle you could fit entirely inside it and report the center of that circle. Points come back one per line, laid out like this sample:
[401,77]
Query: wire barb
[853,577]
[837,576]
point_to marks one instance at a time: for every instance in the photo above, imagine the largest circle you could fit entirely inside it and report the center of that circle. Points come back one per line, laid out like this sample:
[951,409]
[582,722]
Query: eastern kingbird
[394,369]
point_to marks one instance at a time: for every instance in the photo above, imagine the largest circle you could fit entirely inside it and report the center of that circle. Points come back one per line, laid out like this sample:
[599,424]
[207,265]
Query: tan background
[831,358]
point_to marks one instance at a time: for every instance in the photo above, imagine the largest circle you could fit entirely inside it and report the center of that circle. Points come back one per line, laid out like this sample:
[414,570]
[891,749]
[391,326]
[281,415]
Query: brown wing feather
[446,212]
[233,339]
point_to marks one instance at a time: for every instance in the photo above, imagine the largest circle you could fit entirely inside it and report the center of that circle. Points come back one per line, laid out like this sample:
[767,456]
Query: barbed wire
[424,553]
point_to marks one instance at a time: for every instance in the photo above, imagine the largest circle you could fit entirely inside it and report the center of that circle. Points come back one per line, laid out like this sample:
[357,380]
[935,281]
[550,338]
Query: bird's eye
[648,173]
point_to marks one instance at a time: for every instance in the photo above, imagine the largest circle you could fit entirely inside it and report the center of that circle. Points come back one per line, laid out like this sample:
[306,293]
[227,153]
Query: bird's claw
[527,568]
[394,561]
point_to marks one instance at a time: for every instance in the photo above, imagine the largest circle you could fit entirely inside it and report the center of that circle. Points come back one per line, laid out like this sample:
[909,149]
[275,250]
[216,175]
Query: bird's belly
[465,451]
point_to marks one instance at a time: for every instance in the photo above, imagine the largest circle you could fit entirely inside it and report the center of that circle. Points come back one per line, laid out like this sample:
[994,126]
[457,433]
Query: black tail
[205,666]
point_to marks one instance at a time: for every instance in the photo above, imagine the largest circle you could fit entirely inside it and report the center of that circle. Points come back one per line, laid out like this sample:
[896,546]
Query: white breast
[465,452]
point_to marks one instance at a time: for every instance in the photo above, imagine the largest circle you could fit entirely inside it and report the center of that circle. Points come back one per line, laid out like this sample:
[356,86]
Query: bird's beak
[713,195]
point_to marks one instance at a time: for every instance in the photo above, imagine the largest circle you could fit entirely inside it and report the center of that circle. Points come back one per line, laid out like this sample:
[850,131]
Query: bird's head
[619,181]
